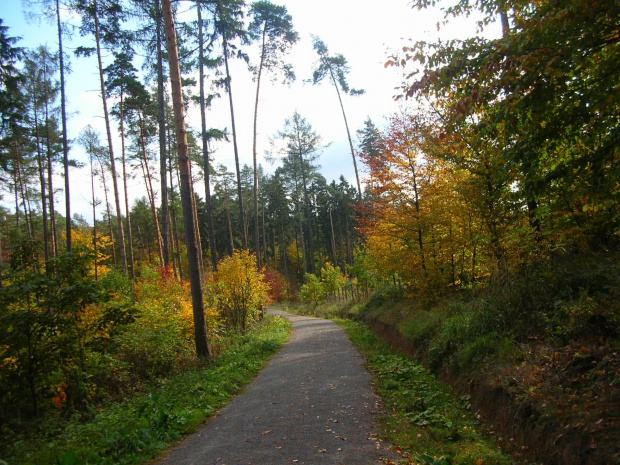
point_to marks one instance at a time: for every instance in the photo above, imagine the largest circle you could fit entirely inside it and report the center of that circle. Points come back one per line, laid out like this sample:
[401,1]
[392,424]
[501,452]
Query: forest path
[313,404]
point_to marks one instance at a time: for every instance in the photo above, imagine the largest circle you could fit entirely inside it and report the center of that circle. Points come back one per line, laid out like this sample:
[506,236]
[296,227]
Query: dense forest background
[501,173]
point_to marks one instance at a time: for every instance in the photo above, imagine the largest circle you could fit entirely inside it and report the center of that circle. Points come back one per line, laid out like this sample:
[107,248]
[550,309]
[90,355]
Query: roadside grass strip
[421,418]
[138,428]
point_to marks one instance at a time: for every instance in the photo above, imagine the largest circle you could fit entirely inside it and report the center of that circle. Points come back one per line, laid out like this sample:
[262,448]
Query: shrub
[239,290]
[45,327]
[313,291]
[278,288]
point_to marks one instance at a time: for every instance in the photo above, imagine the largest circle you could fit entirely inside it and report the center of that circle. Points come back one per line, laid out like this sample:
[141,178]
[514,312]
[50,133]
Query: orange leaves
[277,285]
[418,225]
[61,398]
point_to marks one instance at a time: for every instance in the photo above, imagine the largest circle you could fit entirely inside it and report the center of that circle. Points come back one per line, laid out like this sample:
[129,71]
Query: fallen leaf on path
[322,451]
[268,431]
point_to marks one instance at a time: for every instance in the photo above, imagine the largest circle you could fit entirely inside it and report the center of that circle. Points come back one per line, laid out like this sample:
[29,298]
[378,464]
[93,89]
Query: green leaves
[333,66]
[533,111]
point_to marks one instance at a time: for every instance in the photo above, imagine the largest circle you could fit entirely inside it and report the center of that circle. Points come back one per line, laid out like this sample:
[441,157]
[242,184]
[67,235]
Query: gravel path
[313,404]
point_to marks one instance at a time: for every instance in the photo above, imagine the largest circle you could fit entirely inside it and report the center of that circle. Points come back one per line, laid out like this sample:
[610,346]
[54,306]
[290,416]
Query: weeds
[421,417]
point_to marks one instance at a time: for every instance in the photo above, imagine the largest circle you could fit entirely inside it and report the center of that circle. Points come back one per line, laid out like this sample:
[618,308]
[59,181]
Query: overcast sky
[363,31]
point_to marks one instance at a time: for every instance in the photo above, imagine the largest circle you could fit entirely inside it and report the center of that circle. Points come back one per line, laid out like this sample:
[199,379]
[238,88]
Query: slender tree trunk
[177,245]
[346,125]
[50,182]
[106,116]
[132,264]
[254,151]
[65,144]
[244,236]
[416,195]
[301,238]
[230,229]
[161,120]
[205,144]
[92,191]
[107,206]
[151,198]
[308,213]
[191,239]
[16,191]
[20,181]
[46,249]
[333,239]
[175,228]
[198,238]
[504,20]
[265,241]
[172,248]
[149,186]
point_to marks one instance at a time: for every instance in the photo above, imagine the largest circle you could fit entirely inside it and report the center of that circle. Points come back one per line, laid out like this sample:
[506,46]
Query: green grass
[141,427]
[421,418]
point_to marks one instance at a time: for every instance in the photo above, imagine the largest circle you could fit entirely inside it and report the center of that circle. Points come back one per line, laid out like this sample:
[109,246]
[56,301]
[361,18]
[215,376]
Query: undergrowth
[421,418]
[136,429]
[561,301]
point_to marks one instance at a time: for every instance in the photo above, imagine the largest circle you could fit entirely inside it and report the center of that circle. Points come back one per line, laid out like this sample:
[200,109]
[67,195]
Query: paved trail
[313,404]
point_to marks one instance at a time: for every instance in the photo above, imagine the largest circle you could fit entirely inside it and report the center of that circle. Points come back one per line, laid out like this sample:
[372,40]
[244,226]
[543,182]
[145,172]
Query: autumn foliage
[507,152]
[238,290]
[69,342]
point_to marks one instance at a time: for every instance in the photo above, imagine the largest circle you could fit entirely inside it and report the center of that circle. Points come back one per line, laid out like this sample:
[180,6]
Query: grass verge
[421,418]
[138,428]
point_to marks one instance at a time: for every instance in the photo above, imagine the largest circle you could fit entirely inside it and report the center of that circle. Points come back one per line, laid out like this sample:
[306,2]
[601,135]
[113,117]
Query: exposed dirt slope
[556,406]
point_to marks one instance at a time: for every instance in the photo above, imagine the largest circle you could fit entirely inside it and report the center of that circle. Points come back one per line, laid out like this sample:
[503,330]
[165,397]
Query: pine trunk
[161,121]
[191,234]
[205,144]
[42,184]
[132,265]
[254,153]
[65,143]
[346,125]
[244,236]
[148,181]
[106,116]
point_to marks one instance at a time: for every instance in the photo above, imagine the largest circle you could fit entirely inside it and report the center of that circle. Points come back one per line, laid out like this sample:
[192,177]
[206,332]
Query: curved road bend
[313,404]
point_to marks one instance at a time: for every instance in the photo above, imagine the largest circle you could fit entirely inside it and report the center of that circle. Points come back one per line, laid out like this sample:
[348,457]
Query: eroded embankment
[534,422]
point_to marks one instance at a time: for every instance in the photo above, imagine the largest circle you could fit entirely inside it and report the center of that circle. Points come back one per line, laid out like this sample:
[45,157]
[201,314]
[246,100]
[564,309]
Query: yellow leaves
[83,238]
[238,289]
[7,363]
[89,319]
